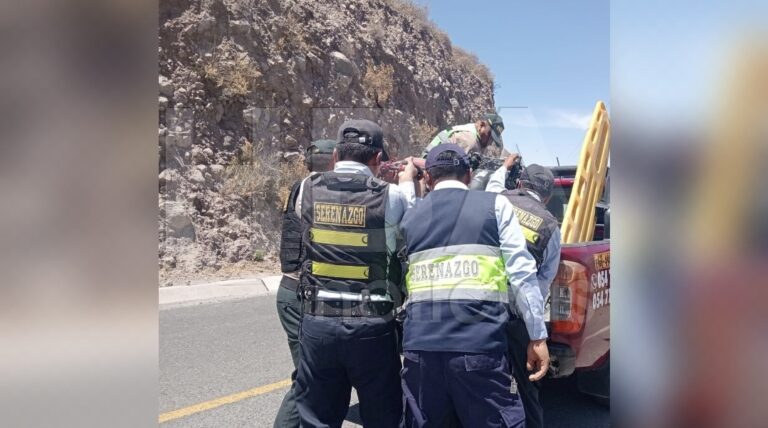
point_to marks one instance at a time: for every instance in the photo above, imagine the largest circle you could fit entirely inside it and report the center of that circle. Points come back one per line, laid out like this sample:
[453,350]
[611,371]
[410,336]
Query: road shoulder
[218,291]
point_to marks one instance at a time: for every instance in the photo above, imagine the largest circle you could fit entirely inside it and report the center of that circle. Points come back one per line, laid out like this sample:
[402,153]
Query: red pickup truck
[579,325]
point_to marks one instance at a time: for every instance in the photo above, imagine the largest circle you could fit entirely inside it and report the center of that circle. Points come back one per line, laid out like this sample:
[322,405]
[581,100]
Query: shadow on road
[565,406]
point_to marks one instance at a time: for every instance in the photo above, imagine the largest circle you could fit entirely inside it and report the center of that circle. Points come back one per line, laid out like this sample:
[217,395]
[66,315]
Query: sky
[551,58]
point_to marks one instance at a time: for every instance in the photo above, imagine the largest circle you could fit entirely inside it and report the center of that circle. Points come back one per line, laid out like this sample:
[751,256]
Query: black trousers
[529,391]
[289,312]
[339,353]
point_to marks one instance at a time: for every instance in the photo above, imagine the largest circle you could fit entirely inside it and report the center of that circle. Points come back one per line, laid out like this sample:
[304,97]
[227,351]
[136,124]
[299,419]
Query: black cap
[539,179]
[361,131]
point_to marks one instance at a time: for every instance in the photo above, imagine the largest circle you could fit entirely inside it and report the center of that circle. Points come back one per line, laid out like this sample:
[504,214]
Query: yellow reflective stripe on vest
[339,271]
[530,235]
[334,237]
[480,272]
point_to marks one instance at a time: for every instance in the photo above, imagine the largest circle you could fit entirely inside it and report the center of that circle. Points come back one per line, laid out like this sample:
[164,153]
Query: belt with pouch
[337,304]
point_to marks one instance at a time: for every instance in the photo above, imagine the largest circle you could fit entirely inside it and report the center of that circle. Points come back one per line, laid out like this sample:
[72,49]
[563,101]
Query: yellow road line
[228,399]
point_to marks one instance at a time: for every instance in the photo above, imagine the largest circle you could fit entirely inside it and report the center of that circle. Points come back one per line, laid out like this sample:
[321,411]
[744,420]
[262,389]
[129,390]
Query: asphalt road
[215,350]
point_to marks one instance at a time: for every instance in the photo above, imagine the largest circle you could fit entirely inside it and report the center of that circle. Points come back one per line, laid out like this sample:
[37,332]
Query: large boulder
[343,66]
[178,220]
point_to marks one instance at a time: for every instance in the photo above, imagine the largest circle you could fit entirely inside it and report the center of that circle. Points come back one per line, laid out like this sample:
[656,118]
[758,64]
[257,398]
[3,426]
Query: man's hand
[409,172]
[511,160]
[538,359]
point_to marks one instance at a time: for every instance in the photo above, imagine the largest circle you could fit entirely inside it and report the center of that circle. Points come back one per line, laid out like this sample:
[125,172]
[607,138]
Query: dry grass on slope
[419,16]
[265,177]
[378,83]
[469,62]
[232,71]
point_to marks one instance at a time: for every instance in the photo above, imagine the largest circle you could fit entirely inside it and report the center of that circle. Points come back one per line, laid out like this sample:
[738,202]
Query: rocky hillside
[245,85]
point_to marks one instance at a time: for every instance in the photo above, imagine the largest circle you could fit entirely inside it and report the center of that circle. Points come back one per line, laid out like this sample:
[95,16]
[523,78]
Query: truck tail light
[569,298]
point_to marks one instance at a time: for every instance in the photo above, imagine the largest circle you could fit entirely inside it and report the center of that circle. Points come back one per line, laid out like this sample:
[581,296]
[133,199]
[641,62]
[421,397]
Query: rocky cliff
[245,85]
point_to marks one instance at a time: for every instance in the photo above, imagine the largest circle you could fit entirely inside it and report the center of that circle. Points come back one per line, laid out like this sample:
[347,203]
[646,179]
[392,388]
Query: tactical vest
[444,136]
[290,238]
[537,223]
[344,237]
[456,280]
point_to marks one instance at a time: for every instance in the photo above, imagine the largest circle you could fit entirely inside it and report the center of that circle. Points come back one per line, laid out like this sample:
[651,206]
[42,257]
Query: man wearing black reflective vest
[318,158]
[349,284]
[542,235]
[468,273]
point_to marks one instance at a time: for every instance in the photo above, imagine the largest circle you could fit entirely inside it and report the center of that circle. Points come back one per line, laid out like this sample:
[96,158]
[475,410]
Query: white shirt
[551,256]
[519,264]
